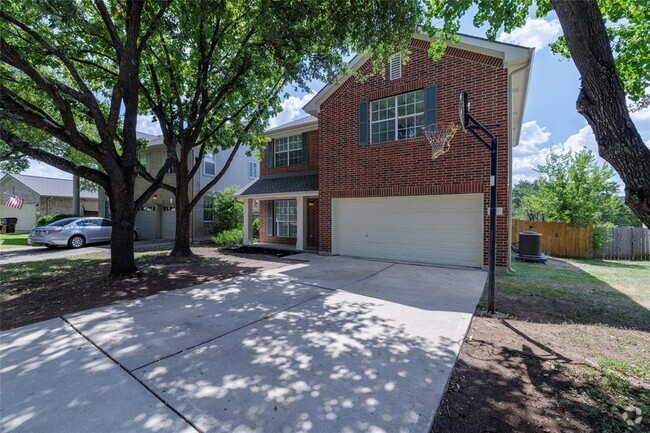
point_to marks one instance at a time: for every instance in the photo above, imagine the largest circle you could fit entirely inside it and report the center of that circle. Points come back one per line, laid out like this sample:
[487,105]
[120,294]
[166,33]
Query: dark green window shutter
[363,122]
[270,154]
[269,218]
[305,148]
[430,105]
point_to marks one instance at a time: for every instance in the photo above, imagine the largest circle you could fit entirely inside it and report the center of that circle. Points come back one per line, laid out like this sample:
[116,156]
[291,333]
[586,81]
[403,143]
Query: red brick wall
[404,167]
[312,164]
[312,222]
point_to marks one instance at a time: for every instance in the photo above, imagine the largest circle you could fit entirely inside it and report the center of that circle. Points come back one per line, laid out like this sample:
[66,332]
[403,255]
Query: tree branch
[24,147]
[110,27]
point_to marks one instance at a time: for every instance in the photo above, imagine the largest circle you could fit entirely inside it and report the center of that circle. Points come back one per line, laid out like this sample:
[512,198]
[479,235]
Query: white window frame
[205,165]
[374,108]
[293,147]
[252,169]
[285,216]
[207,205]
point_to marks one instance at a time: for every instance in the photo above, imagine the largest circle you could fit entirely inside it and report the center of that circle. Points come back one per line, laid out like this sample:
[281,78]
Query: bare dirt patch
[572,356]
[35,291]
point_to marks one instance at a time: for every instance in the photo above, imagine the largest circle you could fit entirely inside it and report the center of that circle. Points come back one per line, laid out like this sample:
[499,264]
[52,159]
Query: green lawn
[579,294]
[608,291]
[13,240]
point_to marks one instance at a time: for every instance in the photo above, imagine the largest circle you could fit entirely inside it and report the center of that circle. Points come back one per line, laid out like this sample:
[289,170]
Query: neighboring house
[356,177]
[42,196]
[157,217]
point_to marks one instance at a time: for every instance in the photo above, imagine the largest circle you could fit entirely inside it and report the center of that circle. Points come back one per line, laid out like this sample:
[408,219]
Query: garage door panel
[145,221]
[431,229]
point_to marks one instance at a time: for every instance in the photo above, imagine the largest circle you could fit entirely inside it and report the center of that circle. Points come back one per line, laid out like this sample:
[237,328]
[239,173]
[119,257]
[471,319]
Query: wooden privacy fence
[628,243]
[558,239]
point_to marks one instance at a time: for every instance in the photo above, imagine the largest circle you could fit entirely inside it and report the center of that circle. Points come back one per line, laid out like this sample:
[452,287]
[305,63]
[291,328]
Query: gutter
[511,146]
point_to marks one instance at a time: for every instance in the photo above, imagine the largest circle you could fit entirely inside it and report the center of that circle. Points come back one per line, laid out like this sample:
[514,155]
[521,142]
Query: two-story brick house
[356,177]
[156,219]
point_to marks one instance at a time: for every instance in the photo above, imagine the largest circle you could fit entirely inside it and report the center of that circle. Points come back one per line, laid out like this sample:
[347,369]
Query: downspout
[510,148]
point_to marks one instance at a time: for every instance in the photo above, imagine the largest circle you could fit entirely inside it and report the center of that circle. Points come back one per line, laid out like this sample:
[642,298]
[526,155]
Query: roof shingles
[283,184]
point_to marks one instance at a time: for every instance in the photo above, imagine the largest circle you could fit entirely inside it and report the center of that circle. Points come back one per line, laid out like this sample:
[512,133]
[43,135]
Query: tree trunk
[602,101]
[123,217]
[183,210]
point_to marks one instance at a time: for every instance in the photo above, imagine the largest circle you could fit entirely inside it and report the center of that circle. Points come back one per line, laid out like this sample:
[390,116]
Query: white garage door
[442,229]
[26,216]
[168,222]
[145,221]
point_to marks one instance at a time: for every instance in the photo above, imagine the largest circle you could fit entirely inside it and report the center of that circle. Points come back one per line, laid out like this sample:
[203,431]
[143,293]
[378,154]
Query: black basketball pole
[473,126]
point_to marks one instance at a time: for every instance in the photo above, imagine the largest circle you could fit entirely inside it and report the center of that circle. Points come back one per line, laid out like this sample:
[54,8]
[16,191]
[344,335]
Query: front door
[312,222]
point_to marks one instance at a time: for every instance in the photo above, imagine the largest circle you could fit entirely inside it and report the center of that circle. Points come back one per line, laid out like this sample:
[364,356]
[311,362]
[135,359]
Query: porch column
[248,212]
[301,236]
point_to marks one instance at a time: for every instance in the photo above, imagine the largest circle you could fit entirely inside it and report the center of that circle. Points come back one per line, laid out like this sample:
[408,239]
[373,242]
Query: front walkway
[326,345]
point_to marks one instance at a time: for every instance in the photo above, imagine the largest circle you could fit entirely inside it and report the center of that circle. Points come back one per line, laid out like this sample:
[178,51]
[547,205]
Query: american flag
[14,201]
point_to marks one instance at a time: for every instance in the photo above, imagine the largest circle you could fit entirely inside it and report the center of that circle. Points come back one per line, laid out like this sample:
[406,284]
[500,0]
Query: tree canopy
[609,42]
[572,188]
[214,71]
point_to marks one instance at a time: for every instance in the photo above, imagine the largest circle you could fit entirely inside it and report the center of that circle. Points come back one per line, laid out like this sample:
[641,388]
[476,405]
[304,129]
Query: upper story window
[288,151]
[252,169]
[395,66]
[397,117]
[144,160]
[209,168]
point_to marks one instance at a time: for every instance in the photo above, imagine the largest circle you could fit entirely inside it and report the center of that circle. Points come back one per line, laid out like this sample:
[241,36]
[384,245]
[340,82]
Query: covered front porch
[287,219]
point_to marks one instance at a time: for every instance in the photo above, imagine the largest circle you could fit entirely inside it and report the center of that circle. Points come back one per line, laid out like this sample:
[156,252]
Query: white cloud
[532,135]
[291,109]
[537,33]
[537,149]
[516,178]
[148,126]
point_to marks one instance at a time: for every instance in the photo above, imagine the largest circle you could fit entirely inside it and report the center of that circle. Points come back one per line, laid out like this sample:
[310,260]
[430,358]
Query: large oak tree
[609,42]
[54,87]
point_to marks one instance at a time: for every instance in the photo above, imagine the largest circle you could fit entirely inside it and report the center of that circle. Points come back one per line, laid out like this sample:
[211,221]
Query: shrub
[227,212]
[255,225]
[602,235]
[49,219]
[229,238]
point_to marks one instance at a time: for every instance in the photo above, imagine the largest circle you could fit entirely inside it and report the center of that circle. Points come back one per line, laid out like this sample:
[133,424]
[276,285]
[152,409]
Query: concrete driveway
[329,344]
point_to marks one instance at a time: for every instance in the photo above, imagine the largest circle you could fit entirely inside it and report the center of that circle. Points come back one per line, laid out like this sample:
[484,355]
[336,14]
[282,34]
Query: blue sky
[551,122]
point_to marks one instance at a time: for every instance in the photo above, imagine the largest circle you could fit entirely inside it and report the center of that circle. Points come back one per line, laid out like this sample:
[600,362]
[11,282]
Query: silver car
[74,233]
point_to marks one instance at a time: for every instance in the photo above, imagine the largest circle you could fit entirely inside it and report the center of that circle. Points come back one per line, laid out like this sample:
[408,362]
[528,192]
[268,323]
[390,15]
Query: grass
[608,291]
[611,294]
[19,274]
[578,279]
[612,396]
[13,240]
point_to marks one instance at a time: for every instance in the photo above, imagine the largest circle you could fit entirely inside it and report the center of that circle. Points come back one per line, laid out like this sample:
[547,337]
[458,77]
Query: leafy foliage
[228,213]
[49,219]
[229,238]
[215,70]
[573,189]
[628,30]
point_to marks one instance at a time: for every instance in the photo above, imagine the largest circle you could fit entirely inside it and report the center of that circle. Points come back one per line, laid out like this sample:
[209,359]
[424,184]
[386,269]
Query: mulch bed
[87,285]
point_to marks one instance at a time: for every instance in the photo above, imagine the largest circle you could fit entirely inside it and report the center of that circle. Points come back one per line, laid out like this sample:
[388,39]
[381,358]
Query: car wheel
[135,236]
[77,241]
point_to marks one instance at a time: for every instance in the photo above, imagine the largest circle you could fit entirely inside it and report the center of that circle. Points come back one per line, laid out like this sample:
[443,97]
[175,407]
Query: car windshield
[63,222]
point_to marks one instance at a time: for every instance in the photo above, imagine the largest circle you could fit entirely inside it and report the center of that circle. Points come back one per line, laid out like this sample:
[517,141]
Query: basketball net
[439,136]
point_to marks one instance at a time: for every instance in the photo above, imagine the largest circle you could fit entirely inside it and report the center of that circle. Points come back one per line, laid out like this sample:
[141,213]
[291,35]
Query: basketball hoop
[439,136]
